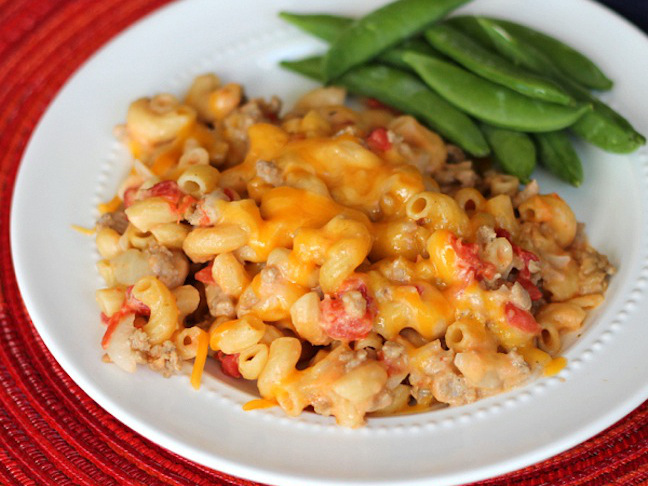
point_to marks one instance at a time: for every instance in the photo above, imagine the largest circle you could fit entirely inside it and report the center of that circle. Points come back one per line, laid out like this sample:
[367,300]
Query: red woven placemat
[51,432]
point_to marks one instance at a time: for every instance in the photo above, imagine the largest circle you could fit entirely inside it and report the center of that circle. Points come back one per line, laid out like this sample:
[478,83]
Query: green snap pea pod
[490,102]
[571,62]
[557,155]
[479,60]
[603,127]
[516,50]
[328,27]
[395,56]
[311,67]
[383,28]
[469,26]
[561,58]
[324,26]
[514,151]
[405,92]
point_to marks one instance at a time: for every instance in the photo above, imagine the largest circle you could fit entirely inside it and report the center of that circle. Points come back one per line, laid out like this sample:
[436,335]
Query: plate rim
[77,375]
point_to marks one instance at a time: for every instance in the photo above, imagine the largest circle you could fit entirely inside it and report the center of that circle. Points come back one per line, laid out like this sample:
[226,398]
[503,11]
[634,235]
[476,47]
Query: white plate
[72,163]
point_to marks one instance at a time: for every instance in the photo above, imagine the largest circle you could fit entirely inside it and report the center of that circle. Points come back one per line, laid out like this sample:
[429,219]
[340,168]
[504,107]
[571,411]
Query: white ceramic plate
[72,163]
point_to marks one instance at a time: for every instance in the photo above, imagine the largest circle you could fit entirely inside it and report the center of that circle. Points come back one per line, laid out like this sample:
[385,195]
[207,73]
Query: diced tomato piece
[502,233]
[378,140]
[131,305]
[204,275]
[204,218]
[375,103]
[185,203]
[469,262]
[532,289]
[134,305]
[112,325]
[338,324]
[168,190]
[524,277]
[336,321]
[229,364]
[467,252]
[129,196]
[521,319]
[526,257]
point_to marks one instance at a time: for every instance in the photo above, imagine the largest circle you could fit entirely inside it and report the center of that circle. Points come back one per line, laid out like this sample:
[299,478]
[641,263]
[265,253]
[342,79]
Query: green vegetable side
[490,86]
[381,29]
[491,102]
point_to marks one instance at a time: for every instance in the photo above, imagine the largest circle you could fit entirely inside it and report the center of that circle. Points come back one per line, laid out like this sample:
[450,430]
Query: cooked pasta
[350,262]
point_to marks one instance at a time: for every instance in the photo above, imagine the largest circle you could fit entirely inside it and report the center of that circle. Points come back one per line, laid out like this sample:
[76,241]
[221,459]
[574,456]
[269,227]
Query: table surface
[51,432]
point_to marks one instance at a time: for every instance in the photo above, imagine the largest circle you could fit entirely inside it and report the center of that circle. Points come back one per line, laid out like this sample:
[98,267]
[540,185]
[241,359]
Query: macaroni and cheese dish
[350,262]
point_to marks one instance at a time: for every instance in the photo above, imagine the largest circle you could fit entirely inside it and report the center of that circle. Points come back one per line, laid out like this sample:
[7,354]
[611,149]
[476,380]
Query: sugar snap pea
[328,27]
[602,126]
[468,25]
[490,102]
[480,60]
[571,62]
[324,26]
[311,67]
[514,151]
[405,92]
[562,58]
[605,128]
[557,155]
[383,28]
[517,50]
[395,55]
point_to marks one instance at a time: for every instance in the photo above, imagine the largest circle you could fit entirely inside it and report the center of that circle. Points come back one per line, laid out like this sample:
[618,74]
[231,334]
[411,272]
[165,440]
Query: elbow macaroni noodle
[341,259]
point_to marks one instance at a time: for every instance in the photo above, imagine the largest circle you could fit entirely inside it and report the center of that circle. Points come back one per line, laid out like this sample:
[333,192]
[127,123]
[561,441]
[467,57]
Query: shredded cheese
[534,356]
[199,362]
[258,404]
[84,231]
[110,206]
[555,366]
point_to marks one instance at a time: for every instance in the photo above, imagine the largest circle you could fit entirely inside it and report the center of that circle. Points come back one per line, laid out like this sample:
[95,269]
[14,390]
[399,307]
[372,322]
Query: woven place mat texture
[51,432]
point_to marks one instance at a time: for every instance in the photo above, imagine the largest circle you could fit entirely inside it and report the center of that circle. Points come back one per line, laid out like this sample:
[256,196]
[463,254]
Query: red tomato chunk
[524,277]
[378,140]
[521,319]
[131,305]
[469,262]
[348,314]
[204,275]
[229,364]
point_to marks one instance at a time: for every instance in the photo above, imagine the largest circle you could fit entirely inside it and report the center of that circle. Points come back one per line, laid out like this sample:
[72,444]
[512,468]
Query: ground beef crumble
[162,358]
[116,220]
